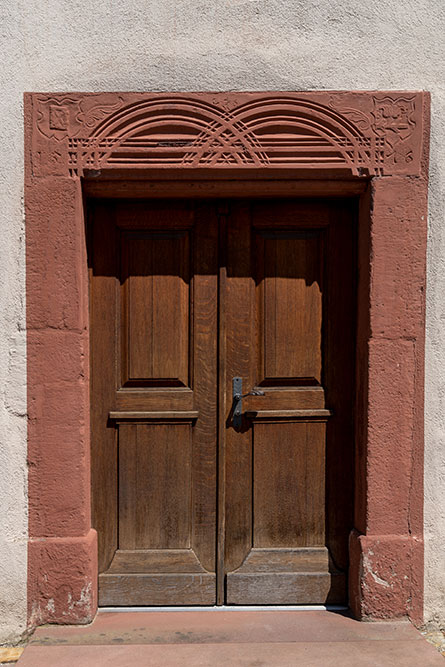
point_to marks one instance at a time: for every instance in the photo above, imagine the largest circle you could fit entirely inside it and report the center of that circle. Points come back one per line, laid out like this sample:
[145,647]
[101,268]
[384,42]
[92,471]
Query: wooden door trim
[187,415]
[259,415]
[375,143]
[222,408]
[156,185]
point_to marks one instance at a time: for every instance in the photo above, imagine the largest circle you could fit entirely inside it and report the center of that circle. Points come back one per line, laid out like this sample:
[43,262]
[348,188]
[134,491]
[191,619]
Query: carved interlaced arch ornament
[363,133]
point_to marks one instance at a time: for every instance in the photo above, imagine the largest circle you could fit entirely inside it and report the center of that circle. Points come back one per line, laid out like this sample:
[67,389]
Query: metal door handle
[254,392]
[237,396]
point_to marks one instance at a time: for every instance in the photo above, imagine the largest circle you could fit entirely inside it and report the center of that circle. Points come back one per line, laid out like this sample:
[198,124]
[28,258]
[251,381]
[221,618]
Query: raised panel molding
[363,133]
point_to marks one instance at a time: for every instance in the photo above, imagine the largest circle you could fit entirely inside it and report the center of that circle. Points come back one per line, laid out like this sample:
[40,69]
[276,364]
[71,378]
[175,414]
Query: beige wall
[56,45]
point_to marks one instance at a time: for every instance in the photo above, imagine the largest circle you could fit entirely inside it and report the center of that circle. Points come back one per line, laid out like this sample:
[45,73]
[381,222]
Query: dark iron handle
[237,399]
[254,392]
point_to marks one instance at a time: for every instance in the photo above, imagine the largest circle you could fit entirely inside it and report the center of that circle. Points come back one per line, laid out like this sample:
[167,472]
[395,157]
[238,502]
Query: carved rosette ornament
[358,133]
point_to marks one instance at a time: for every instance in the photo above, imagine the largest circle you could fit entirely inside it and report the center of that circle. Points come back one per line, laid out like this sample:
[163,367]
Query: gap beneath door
[313,607]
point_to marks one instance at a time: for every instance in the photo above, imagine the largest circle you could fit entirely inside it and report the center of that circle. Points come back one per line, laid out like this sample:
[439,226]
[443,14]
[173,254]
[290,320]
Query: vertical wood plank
[205,382]
[103,378]
[340,345]
[128,487]
[240,361]
[222,213]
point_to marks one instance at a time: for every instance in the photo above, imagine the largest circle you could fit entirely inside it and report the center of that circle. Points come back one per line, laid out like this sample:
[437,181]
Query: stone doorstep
[235,638]
[305,654]
[220,627]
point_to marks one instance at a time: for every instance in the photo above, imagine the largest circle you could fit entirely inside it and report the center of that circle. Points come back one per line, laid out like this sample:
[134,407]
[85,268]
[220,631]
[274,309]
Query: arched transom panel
[358,132]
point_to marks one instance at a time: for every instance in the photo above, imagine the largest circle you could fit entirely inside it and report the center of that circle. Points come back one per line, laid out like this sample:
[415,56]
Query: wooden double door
[200,498]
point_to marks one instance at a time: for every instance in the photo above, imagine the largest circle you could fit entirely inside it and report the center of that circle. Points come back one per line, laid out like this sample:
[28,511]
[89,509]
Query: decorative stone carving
[395,120]
[91,118]
[359,133]
[57,116]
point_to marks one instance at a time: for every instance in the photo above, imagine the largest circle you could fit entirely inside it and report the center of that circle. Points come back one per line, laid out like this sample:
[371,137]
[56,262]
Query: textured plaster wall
[61,45]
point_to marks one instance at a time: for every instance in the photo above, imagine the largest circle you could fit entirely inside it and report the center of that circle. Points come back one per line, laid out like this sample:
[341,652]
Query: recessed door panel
[289,278]
[155,305]
[288,484]
[155,486]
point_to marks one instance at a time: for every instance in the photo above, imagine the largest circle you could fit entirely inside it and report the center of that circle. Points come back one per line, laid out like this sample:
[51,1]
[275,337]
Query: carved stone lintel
[362,133]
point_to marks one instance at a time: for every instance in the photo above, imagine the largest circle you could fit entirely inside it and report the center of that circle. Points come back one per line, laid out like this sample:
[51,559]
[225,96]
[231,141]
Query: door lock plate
[237,401]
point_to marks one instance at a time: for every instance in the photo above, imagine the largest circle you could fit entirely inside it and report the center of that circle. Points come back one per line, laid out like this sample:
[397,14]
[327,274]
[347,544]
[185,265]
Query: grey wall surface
[61,45]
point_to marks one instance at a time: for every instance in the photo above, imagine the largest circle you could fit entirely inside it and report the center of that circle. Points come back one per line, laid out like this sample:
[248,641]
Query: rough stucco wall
[56,45]
[13,427]
[435,377]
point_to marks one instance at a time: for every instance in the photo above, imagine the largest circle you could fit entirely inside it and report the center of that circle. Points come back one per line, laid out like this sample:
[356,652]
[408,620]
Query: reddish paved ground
[232,638]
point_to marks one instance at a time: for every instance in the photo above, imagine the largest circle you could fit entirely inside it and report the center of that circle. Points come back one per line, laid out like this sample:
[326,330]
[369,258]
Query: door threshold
[307,607]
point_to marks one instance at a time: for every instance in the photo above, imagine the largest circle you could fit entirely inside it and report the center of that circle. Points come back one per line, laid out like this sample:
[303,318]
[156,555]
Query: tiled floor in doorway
[229,638]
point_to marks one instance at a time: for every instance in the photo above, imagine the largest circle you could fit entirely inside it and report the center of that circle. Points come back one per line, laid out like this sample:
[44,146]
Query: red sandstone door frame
[372,145]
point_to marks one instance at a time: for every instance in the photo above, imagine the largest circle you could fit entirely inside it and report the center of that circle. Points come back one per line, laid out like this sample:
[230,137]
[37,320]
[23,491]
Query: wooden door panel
[155,293]
[277,550]
[156,589]
[289,279]
[288,487]
[154,486]
[160,355]
[283,587]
